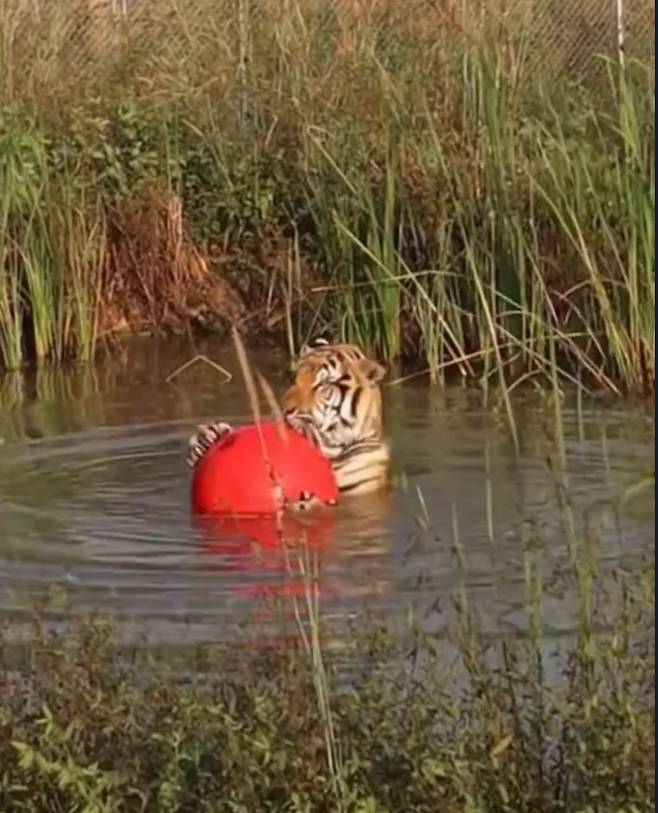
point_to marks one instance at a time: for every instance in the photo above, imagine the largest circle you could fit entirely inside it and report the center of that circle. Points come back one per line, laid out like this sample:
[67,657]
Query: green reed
[50,252]
[447,203]
[619,266]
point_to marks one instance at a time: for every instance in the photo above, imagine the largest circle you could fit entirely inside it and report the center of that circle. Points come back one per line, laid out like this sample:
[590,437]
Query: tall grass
[447,204]
[50,251]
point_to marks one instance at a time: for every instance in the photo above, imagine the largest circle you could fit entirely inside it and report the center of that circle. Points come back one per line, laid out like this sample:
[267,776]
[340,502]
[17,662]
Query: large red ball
[240,472]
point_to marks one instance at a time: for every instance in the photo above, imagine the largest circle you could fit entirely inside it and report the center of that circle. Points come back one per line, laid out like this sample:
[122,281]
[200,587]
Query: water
[94,502]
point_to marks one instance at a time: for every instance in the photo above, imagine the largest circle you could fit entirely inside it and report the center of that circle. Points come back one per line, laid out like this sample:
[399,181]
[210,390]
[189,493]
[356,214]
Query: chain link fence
[550,38]
[568,38]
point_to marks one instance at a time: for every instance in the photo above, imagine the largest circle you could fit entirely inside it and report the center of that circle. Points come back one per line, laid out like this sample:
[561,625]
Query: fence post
[620,33]
[243,57]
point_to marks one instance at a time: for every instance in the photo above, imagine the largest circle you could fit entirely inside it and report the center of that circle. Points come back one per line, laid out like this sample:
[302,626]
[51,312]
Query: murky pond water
[94,500]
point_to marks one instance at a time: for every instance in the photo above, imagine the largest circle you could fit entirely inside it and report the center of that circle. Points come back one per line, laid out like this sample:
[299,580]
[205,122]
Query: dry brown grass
[74,47]
[155,277]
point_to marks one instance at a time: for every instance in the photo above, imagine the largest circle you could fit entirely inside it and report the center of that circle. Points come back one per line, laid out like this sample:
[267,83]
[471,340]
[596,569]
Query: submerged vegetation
[407,180]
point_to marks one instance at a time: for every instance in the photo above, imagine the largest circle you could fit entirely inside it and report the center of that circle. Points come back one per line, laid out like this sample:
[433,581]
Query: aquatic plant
[435,196]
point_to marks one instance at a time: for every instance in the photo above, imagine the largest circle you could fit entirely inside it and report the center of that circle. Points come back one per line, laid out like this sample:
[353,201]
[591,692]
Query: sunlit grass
[456,209]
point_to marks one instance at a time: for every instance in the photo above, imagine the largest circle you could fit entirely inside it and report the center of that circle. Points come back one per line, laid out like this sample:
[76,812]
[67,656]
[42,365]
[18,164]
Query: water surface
[94,501]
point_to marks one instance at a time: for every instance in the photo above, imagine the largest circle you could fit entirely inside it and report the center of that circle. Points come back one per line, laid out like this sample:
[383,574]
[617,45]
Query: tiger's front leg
[205,436]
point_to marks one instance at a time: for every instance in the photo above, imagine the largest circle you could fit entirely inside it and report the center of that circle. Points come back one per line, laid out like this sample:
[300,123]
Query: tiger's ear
[372,370]
[314,344]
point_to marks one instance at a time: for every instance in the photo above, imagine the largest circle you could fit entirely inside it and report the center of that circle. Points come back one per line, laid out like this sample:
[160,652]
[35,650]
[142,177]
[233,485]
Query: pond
[95,514]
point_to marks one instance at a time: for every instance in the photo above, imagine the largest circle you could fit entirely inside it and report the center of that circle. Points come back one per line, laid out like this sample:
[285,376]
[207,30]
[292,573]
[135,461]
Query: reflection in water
[269,545]
[94,497]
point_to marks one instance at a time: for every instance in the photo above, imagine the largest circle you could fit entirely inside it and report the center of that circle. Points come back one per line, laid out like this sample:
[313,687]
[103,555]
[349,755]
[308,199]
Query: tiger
[335,402]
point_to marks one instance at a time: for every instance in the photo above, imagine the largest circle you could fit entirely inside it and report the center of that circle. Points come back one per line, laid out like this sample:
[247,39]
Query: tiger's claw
[205,436]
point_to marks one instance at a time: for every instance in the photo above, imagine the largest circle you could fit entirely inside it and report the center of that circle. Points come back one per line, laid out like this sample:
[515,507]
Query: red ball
[255,469]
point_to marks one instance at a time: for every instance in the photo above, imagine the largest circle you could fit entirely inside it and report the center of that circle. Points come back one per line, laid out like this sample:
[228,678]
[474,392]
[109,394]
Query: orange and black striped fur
[336,403]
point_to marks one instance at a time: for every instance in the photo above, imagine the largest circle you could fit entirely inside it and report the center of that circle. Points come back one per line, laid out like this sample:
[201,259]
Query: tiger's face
[337,388]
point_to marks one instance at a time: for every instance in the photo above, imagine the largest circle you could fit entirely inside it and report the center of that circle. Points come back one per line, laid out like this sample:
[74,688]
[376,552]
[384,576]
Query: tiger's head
[336,389]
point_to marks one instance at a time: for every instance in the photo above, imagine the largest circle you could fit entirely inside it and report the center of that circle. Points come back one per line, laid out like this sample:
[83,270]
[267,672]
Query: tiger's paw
[203,439]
